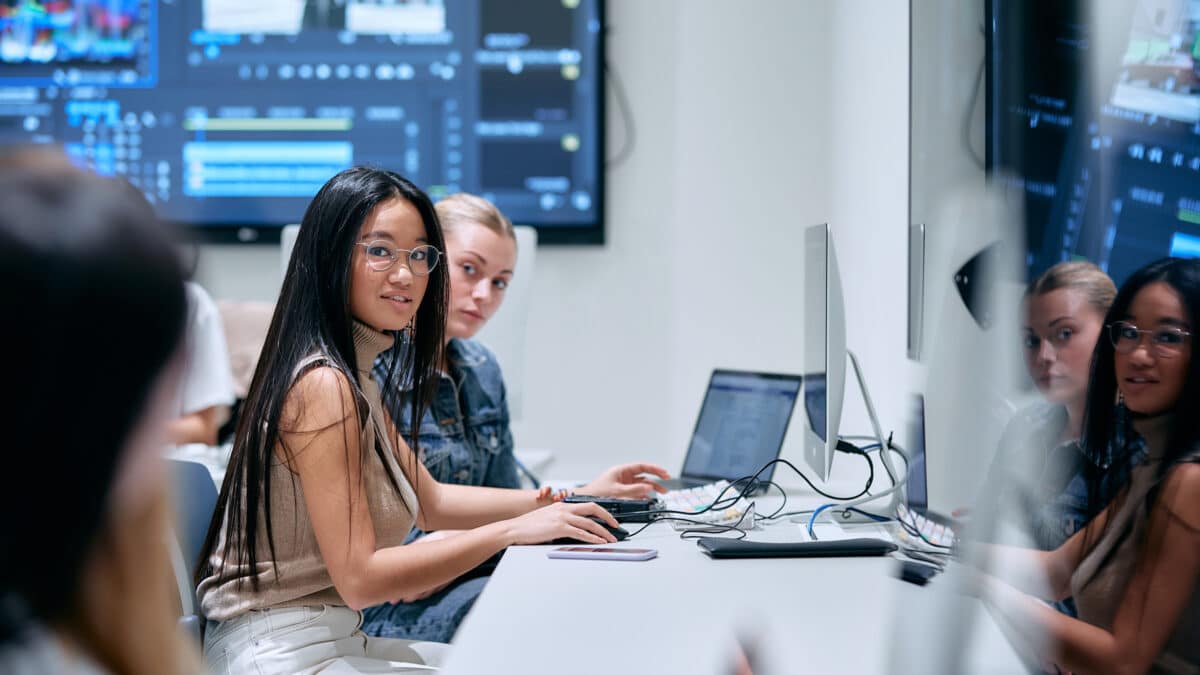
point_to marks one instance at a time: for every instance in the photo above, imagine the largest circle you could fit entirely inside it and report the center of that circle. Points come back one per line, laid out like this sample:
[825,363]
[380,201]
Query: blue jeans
[433,619]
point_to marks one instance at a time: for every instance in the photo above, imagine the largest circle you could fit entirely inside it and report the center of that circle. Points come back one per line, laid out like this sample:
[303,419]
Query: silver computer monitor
[824,349]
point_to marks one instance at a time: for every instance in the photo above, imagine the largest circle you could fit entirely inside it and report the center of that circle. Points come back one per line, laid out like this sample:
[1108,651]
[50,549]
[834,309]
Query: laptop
[741,427]
[917,486]
[916,489]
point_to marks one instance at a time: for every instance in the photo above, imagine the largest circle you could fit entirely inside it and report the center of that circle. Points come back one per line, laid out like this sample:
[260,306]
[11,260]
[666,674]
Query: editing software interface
[1095,119]
[229,113]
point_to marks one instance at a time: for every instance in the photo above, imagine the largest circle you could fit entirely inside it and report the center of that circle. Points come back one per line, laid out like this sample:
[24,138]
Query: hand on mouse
[626,481]
[562,520]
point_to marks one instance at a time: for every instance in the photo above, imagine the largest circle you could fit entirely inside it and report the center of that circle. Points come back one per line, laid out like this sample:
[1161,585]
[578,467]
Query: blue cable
[813,518]
[824,507]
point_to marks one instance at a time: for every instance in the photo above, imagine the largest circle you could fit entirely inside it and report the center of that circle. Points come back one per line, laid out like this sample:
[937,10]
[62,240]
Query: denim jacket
[464,435]
[1047,482]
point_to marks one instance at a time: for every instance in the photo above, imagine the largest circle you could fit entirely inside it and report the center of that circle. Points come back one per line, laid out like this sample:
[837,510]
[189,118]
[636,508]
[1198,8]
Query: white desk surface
[680,613]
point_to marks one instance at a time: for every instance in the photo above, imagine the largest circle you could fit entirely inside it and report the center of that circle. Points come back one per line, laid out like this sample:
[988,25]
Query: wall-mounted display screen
[230,115]
[1094,118]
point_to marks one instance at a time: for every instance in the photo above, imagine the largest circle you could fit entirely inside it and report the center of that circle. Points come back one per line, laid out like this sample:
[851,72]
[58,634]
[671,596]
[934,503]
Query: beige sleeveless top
[302,576]
[1100,580]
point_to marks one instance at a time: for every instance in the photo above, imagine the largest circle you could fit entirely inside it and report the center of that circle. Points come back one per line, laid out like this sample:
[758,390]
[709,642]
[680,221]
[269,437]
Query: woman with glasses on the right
[1133,568]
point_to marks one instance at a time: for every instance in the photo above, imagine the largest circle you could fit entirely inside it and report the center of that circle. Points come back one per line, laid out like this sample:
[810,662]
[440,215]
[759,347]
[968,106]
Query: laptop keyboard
[693,501]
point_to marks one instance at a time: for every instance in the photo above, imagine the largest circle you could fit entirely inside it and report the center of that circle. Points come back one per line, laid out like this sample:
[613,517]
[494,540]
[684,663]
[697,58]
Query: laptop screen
[918,492]
[742,424]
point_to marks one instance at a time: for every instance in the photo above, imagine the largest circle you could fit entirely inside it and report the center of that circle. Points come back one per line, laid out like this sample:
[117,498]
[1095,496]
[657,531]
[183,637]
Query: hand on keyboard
[691,505]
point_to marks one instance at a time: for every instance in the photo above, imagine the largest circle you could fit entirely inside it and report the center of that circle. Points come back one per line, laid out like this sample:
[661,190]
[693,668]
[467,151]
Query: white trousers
[317,639]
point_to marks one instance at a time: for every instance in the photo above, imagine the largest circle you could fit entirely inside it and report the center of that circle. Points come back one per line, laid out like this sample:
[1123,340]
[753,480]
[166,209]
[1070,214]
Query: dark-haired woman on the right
[1132,569]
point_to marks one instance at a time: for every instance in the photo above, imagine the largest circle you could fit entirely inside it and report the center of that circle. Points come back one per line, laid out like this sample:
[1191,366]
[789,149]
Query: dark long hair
[1099,425]
[92,296]
[313,316]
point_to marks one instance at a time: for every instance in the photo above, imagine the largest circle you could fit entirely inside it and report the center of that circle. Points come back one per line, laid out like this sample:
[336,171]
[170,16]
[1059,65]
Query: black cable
[898,451]
[753,481]
[886,464]
[633,534]
[912,530]
[711,528]
[626,116]
[789,514]
[855,451]
[719,502]
[782,505]
[970,114]
[705,527]
[867,454]
[715,528]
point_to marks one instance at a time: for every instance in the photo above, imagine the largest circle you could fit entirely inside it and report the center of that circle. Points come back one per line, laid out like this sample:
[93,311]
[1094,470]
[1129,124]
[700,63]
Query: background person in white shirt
[206,389]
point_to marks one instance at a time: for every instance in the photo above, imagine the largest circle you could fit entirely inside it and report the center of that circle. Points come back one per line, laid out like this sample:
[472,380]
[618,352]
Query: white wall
[752,124]
[947,180]
[596,365]
[869,200]
[751,145]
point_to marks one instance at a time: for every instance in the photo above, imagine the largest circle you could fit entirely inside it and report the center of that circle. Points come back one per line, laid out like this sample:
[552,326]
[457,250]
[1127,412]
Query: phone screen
[602,549]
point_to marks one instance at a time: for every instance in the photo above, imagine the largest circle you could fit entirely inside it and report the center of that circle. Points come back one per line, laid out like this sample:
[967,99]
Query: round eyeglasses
[1167,342]
[420,260]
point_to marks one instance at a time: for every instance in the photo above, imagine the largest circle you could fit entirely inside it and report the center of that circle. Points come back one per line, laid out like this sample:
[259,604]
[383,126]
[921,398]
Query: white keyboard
[931,532]
[693,501]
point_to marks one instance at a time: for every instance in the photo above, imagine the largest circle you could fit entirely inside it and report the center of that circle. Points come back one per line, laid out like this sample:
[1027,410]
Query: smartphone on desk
[601,553]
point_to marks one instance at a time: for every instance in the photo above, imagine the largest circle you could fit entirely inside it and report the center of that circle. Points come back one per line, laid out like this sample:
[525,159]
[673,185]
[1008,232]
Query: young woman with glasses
[1133,569]
[321,491]
[465,436]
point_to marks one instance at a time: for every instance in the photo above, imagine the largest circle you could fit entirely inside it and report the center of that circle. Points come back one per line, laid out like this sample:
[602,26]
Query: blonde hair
[462,209]
[1079,275]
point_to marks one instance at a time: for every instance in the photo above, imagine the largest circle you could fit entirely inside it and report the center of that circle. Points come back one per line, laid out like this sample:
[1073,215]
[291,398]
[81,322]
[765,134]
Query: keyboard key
[694,501]
[930,532]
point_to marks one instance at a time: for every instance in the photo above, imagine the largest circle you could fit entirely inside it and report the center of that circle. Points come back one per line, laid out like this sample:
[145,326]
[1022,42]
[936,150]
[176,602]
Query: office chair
[287,241]
[195,497]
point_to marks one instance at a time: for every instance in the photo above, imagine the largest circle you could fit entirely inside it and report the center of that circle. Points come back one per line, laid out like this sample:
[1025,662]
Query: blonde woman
[464,434]
[1040,460]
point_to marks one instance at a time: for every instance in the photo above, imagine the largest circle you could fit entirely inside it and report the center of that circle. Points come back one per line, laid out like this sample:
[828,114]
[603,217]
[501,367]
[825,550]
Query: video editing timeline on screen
[1112,175]
[65,43]
[229,113]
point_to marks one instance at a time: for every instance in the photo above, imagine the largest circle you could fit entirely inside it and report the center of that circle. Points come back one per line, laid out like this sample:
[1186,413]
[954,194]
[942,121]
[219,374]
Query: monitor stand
[882,504]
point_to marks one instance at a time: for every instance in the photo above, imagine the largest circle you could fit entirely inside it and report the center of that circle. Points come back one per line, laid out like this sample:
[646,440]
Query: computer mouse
[619,532]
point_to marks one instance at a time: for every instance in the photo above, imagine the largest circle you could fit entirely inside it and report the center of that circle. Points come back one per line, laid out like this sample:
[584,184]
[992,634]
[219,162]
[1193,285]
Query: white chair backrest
[504,334]
[287,241]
